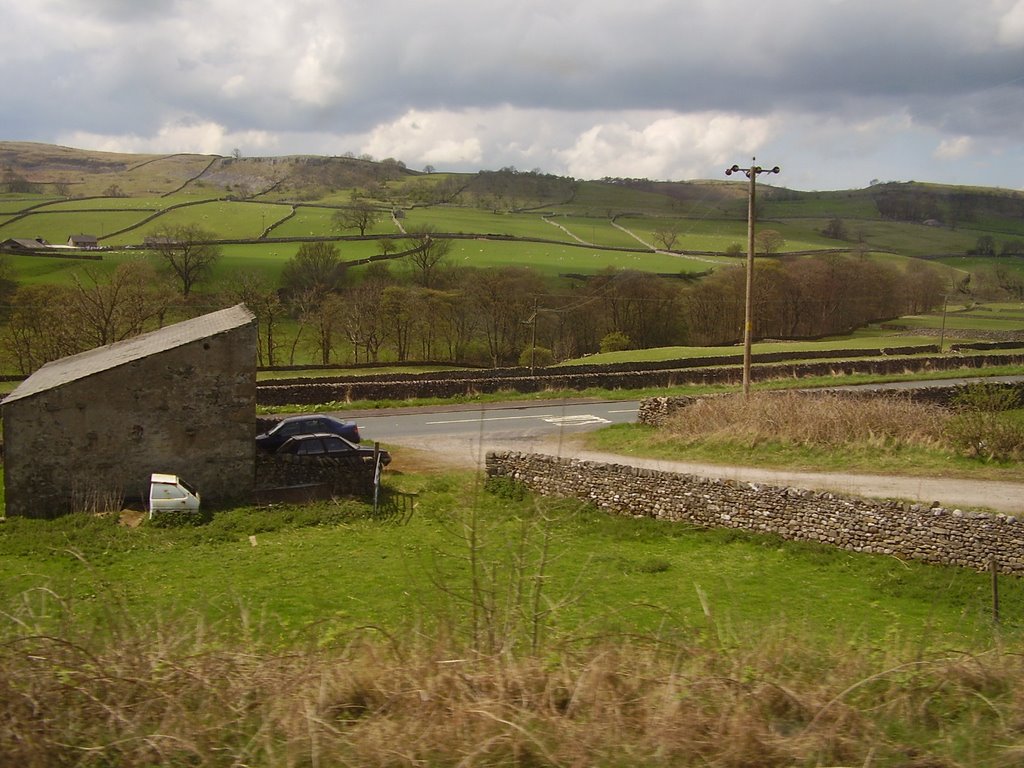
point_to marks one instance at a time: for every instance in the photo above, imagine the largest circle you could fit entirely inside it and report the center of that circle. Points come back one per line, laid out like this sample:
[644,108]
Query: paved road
[461,435]
[463,438]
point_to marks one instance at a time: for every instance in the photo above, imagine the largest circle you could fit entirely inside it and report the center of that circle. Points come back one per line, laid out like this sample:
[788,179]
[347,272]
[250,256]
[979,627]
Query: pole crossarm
[751,173]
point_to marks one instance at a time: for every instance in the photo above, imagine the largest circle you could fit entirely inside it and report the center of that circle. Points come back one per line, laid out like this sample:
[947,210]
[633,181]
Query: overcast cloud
[837,92]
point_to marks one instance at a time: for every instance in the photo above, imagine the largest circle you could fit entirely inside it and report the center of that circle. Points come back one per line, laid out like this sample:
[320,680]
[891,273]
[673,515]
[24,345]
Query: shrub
[505,488]
[537,356]
[985,425]
[616,341]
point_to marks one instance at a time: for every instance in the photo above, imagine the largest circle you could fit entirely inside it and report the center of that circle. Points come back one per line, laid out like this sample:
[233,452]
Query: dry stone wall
[931,534]
[461,384]
[336,476]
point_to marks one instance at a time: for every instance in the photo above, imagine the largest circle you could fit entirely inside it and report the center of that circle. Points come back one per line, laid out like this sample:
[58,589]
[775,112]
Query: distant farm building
[23,244]
[87,431]
[87,242]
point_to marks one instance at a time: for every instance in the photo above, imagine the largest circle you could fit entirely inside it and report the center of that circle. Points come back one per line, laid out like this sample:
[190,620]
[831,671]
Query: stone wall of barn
[93,443]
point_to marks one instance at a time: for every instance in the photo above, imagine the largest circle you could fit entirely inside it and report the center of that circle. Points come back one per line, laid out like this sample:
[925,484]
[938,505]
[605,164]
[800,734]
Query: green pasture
[50,270]
[56,228]
[551,259]
[595,231]
[972,322]
[848,205]
[16,202]
[270,258]
[148,204]
[995,308]
[999,227]
[801,234]
[969,264]
[224,219]
[912,239]
[308,221]
[719,234]
[476,221]
[693,234]
[607,200]
[859,342]
[320,572]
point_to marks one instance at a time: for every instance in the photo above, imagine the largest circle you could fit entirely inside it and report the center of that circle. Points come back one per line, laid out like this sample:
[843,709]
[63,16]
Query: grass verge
[831,433]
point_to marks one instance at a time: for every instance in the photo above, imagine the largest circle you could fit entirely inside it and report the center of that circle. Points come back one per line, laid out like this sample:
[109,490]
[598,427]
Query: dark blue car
[274,438]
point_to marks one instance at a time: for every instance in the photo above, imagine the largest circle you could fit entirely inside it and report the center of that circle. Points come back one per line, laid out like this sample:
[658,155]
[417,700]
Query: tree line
[421,306]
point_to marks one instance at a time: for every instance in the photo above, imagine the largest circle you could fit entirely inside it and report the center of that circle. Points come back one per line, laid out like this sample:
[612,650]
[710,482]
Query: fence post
[994,568]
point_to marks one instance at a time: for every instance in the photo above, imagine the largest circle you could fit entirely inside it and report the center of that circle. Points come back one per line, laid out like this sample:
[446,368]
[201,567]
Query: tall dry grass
[173,695]
[818,420]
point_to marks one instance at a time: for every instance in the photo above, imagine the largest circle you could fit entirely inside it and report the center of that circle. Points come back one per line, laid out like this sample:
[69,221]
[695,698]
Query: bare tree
[109,309]
[37,330]
[428,256]
[189,252]
[315,267]
[360,215]
[262,299]
[769,241]
[502,299]
[666,237]
[48,322]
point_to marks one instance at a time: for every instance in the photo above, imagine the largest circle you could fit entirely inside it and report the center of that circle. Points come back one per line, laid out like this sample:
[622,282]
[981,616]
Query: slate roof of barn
[67,369]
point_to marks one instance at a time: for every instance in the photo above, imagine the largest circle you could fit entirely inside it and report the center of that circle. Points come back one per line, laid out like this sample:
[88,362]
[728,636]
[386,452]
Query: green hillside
[53,192]
[260,212]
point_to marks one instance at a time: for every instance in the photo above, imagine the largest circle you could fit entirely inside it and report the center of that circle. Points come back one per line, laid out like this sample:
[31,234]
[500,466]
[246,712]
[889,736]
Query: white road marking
[573,421]
[492,418]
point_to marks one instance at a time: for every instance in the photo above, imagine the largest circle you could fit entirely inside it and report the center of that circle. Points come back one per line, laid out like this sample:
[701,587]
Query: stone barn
[87,431]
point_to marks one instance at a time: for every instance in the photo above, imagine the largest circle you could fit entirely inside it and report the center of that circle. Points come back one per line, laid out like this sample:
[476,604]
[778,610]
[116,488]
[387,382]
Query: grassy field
[331,569]
[470,220]
[329,631]
[872,341]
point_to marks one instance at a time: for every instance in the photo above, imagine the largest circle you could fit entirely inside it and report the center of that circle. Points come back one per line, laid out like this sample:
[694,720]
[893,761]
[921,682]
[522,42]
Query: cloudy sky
[837,92]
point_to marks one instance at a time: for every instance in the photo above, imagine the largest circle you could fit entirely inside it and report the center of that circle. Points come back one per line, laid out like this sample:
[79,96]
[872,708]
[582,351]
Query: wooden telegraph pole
[752,173]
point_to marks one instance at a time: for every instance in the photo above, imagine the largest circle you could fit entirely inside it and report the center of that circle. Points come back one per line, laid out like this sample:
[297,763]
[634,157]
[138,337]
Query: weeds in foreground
[173,694]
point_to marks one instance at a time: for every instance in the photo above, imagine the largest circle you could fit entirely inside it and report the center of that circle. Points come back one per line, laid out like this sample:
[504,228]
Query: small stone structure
[305,478]
[913,531]
[85,432]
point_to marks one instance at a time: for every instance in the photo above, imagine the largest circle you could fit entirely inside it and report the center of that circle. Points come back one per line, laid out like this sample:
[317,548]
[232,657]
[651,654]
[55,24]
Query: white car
[169,493]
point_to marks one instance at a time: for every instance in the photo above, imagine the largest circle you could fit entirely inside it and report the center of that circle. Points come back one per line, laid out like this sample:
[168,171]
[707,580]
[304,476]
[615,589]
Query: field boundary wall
[462,384]
[931,534]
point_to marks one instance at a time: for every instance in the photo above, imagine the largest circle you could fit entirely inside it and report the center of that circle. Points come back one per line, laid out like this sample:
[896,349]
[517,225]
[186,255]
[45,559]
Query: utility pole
[752,173]
[942,332]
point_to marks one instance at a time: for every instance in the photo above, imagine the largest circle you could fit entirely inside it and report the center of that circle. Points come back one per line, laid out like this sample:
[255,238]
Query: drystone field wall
[334,476]
[911,531]
[461,384]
